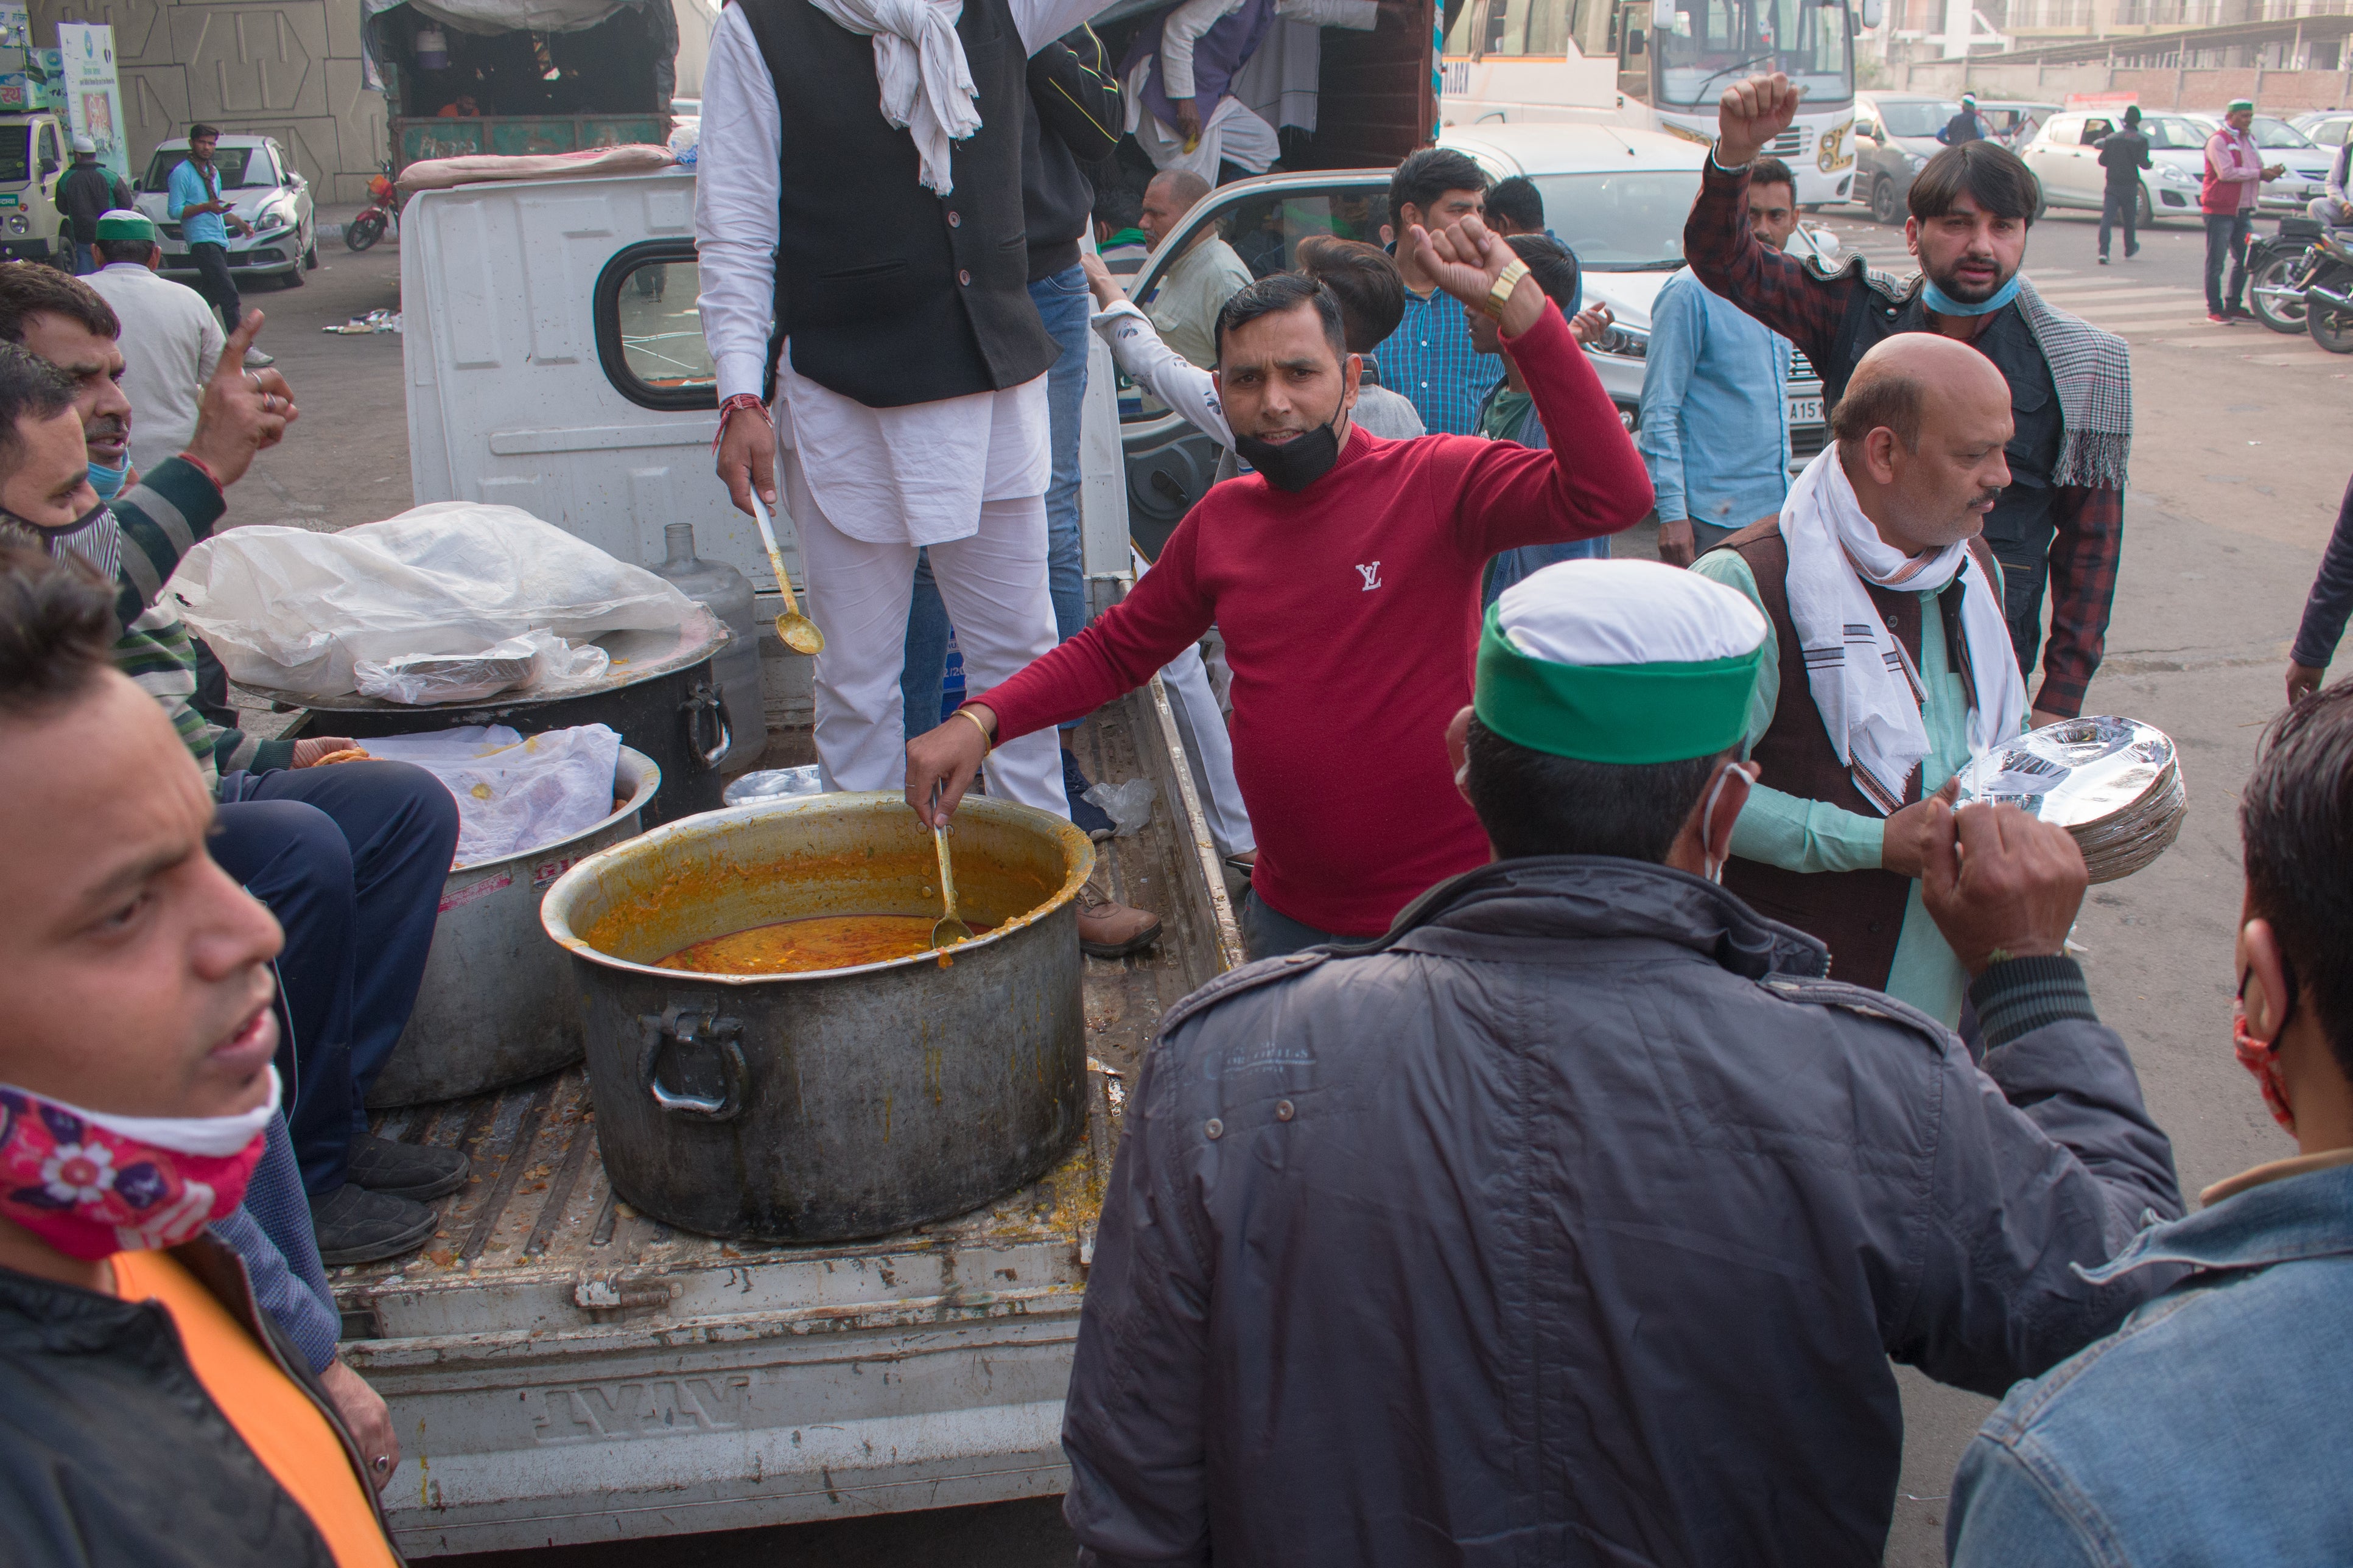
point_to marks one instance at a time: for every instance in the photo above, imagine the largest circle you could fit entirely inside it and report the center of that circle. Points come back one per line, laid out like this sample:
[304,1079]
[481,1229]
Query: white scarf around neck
[1863,682]
[927,87]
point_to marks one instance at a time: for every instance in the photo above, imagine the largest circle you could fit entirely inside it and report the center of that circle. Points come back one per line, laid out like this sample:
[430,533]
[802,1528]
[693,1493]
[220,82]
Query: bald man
[1199,283]
[1889,661]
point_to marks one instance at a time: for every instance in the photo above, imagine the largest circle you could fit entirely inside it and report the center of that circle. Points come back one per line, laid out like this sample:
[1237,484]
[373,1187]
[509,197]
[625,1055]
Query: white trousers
[994,586]
[1210,750]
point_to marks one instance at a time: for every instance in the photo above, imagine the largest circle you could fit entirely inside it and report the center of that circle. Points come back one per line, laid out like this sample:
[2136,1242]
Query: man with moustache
[2060,519]
[155,1414]
[1888,665]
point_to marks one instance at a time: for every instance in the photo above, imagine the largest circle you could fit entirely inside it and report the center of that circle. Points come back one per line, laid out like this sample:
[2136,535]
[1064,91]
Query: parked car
[1894,133]
[2014,121]
[2065,157]
[2326,127]
[1615,195]
[263,189]
[2308,160]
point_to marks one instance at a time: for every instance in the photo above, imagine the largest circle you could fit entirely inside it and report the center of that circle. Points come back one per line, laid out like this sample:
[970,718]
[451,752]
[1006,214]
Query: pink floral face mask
[92,1185]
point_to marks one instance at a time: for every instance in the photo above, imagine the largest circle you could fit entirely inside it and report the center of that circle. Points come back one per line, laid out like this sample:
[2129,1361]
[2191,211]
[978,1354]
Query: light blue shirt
[1716,411]
[186,186]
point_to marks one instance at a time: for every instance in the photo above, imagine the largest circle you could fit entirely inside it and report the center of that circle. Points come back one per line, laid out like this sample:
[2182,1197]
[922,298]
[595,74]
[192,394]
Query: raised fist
[1751,114]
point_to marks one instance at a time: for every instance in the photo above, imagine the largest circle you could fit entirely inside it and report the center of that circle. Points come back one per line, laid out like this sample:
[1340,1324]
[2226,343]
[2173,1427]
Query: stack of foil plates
[2112,783]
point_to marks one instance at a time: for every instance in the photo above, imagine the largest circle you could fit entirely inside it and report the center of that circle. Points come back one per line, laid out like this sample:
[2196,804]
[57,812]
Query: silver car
[2305,160]
[281,238]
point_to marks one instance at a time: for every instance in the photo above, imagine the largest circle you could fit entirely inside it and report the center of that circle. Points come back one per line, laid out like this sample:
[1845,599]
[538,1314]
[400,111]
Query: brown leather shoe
[1108,929]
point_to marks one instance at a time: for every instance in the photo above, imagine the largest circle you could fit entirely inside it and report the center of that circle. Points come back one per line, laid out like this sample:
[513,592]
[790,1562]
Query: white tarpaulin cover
[293,611]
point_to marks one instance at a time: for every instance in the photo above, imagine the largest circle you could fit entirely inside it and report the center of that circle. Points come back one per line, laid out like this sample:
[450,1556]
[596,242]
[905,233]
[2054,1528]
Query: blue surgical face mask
[106,481]
[1944,304]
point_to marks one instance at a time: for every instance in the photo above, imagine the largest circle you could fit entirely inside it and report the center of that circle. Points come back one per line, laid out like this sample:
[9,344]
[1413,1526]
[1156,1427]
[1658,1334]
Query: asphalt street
[2238,461]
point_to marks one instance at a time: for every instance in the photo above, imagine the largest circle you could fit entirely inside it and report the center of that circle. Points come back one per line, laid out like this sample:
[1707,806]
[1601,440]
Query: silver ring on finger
[255,378]
[383,1461]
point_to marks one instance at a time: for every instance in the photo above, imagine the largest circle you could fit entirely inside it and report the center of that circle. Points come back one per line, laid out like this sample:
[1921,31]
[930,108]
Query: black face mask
[1296,464]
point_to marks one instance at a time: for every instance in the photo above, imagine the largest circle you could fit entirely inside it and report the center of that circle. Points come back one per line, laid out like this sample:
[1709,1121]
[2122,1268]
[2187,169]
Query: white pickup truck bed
[562,1369]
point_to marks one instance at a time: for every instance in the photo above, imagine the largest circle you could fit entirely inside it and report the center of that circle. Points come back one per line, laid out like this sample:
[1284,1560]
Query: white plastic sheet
[514,794]
[295,611]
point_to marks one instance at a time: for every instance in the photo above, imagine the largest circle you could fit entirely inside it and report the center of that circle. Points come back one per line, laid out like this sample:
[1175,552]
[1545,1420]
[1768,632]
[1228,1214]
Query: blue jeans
[1509,566]
[85,259]
[351,860]
[1063,304]
[1268,933]
[2226,238]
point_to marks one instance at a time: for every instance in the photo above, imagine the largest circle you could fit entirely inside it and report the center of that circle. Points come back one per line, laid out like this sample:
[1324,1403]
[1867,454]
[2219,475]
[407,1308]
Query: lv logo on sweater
[1371,574]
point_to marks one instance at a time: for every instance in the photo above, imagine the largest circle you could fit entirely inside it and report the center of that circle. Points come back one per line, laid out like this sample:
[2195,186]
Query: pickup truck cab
[263,188]
[32,157]
[1616,195]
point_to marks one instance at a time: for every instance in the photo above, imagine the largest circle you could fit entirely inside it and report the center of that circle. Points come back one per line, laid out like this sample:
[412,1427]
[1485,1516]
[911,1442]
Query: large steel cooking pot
[498,1004]
[659,694]
[843,1102]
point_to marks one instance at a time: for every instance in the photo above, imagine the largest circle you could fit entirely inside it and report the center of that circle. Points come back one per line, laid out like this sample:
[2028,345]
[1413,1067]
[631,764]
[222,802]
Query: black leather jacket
[112,1453]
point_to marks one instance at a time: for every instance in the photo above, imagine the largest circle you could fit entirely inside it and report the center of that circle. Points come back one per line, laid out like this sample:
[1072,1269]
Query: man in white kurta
[866,487]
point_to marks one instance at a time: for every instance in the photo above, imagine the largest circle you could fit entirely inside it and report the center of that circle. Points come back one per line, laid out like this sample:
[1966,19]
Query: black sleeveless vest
[890,294]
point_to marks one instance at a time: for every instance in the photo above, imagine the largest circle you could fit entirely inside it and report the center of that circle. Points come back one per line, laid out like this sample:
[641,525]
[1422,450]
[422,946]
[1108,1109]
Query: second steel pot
[845,1103]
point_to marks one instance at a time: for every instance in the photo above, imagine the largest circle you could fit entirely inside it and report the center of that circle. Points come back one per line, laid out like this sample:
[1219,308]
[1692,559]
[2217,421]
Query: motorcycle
[2301,282]
[2329,298]
[384,200]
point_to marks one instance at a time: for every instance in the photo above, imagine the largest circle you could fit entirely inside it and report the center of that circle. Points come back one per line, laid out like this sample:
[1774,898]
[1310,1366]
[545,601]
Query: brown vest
[1858,915]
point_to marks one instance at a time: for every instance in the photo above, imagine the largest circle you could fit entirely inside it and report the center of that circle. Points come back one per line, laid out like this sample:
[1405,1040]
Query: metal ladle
[947,929]
[798,632]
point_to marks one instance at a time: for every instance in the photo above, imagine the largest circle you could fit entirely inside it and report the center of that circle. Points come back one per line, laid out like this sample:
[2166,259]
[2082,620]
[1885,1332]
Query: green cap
[123,224]
[1624,662]
[2239,103]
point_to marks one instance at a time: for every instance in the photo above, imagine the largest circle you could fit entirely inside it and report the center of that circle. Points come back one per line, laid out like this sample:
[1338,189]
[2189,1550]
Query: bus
[1660,65]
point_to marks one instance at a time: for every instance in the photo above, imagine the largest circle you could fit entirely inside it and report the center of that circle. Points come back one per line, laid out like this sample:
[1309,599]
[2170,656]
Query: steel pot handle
[724,1036]
[705,706]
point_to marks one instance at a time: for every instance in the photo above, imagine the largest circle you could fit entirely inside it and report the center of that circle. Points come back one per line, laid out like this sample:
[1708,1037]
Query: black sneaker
[404,1170]
[356,1226]
[1088,817]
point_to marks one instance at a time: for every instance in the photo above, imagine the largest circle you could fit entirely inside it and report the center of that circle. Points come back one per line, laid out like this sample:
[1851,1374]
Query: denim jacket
[2211,1427]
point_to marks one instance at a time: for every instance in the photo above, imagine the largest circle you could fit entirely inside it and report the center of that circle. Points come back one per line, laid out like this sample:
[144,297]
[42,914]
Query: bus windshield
[1704,46]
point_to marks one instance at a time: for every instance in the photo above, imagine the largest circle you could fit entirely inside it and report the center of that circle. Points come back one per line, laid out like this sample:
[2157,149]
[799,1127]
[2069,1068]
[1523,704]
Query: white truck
[559,1367]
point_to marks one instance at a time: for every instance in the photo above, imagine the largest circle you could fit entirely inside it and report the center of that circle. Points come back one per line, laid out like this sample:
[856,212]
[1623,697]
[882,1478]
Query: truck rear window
[15,167]
[649,327]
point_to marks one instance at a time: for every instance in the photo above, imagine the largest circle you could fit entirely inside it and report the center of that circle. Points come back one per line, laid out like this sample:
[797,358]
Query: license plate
[1805,411]
[174,247]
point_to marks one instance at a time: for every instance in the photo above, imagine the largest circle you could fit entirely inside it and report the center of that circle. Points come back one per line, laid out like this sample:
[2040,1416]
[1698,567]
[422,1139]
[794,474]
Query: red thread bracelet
[741,400]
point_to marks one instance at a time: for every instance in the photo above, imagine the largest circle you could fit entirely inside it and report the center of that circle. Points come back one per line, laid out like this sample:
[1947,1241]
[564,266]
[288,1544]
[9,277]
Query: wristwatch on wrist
[1505,282]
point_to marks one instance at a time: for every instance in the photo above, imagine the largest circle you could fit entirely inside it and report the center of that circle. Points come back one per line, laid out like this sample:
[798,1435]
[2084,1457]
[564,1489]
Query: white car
[1616,196]
[263,189]
[2065,157]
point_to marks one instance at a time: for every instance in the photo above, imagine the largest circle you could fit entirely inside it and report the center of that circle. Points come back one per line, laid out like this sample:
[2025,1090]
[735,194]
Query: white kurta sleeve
[1160,370]
[739,170]
[1184,26]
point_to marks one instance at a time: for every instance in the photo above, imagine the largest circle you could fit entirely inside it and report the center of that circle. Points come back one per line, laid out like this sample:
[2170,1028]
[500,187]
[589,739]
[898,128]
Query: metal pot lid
[2112,783]
[636,656]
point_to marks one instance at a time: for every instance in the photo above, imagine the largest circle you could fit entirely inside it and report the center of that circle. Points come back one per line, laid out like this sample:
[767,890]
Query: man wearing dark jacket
[84,192]
[2123,155]
[1577,1219]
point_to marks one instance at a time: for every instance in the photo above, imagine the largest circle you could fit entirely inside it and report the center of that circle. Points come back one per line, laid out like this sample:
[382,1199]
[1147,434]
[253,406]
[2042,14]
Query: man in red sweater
[1345,576]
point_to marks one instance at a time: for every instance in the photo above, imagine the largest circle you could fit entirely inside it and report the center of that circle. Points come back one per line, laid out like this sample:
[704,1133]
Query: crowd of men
[1648,1049]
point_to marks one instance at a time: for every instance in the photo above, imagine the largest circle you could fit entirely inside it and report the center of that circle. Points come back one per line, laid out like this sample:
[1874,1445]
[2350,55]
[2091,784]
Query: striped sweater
[161,520]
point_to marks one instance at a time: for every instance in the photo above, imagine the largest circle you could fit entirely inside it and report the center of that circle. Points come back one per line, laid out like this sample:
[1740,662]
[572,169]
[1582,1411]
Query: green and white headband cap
[1624,662]
[2239,103]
